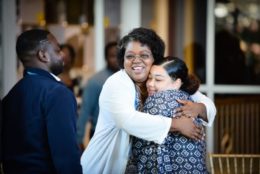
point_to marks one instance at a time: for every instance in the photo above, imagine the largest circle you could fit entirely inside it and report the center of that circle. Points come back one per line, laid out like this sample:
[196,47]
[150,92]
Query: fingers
[188,128]
[203,133]
[179,112]
[188,115]
[184,110]
[198,133]
[182,101]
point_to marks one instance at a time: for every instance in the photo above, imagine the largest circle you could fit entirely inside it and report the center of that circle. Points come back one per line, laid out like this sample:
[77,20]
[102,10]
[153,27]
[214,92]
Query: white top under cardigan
[107,151]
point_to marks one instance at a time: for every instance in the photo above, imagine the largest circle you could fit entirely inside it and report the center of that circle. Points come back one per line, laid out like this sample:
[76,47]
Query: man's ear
[42,56]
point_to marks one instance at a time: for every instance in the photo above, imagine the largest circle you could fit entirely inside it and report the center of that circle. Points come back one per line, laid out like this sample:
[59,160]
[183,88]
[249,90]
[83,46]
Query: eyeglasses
[143,56]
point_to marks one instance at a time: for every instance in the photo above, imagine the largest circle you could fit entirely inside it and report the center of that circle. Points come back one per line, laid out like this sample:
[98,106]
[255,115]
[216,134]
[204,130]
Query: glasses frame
[143,56]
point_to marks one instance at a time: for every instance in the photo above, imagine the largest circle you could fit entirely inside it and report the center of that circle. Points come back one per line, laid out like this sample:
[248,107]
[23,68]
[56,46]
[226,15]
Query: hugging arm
[202,107]
[163,103]
[118,102]
[186,127]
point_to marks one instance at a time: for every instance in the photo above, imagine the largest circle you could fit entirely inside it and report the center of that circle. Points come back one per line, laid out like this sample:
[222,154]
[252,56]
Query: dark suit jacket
[39,127]
[0,132]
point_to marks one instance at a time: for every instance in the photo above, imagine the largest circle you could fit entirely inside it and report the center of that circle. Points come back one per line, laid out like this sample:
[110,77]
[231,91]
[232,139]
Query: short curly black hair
[145,36]
[29,42]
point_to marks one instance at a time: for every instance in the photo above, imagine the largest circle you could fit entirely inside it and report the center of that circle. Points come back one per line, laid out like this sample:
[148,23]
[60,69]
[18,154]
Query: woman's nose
[137,59]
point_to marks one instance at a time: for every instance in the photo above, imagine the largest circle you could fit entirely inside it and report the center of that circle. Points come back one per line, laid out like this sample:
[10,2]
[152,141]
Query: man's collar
[37,71]
[56,77]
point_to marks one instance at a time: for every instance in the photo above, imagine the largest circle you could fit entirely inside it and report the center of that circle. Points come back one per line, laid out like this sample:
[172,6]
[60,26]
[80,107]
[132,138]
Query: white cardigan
[108,150]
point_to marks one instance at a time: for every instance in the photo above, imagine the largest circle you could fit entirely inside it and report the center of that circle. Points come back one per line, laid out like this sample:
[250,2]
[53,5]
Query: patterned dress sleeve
[164,102]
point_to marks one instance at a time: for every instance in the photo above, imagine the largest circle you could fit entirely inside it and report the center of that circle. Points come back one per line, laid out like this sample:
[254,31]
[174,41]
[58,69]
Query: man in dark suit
[0,135]
[39,113]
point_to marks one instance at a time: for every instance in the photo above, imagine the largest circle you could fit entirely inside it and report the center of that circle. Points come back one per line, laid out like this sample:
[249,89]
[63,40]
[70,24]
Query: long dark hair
[176,68]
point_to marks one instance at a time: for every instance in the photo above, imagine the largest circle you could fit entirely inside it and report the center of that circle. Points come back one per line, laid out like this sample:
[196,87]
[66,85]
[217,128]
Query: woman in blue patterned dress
[168,82]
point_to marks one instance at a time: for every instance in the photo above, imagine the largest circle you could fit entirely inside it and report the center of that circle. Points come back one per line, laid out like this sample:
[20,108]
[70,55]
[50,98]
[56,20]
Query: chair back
[234,163]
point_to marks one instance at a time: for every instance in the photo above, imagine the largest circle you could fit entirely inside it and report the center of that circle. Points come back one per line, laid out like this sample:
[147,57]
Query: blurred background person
[229,54]
[69,59]
[0,135]
[250,37]
[90,107]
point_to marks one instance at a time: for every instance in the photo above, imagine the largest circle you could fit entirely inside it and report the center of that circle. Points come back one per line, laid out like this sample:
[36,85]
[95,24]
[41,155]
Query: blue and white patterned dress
[178,154]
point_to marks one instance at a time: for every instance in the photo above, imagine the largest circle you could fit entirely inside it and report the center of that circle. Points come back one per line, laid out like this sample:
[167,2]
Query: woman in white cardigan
[108,150]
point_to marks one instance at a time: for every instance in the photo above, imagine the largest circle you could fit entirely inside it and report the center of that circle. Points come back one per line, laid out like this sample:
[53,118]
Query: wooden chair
[234,163]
